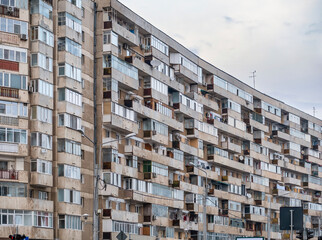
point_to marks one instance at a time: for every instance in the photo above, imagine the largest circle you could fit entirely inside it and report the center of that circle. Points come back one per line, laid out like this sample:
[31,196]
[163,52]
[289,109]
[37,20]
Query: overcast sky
[281,40]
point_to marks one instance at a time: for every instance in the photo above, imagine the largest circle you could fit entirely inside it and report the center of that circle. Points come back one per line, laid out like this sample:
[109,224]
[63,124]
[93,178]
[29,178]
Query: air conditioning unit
[23,37]
[9,11]
[154,132]
[154,217]
[154,175]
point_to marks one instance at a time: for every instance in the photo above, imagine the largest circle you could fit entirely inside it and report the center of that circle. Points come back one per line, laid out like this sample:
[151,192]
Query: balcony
[150,198]
[256,218]
[312,186]
[126,35]
[223,93]
[121,169]
[185,148]
[40,179]
[124,80]
[292,181]
[257,125]
[231,147]
[290,194]
[269,144]
[150,155]
[268,174]
[9,92]
[9,11]
[188,187]
[154,136]
[12,175]
[119,118]
[230,163]
[146,70]
[205,100]
[285,136]
[257,187]
[186,74]
[123,216]
[188,112]
[231,130]
[268,115]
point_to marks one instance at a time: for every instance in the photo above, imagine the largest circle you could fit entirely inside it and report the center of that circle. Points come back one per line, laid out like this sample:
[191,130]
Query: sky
[281,40]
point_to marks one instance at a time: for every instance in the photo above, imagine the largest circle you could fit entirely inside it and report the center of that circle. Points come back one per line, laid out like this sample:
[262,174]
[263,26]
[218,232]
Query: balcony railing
[5,174]
[8,92]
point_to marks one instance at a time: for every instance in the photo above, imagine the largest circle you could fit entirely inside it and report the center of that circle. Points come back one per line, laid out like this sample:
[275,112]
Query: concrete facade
[97,66]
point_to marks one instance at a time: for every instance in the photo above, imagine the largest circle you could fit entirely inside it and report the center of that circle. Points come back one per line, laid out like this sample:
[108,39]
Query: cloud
[314,28]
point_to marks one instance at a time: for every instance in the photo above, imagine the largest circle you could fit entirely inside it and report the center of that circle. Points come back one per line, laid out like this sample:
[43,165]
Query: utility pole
[253,76]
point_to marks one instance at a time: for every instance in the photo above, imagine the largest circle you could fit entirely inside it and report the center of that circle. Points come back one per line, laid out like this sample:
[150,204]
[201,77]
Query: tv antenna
[253,76]
[314,111]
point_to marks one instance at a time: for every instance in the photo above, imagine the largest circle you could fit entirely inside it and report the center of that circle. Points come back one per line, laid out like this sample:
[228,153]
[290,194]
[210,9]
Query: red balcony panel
[8,65]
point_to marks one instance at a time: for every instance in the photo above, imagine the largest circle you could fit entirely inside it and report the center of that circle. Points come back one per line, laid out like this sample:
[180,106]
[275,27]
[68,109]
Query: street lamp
[204,201]
[97,167]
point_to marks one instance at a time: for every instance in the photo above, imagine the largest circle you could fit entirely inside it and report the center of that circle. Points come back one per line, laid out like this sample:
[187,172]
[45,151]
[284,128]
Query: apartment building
[98,67]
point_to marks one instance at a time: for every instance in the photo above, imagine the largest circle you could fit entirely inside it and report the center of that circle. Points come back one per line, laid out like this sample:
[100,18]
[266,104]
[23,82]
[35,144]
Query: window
[74,23]
[41,140]
[110,37]
[11,135]
[83,12]
[13,109]
[13,54]
[77,3]
[43,35]
[13,80]
[41,7]
[110,85]
[41,60]
[70,222]
[151,82]
[13,26]
[41,166]
[123,112]
[131,228]
[22,217]
[120,65]
[69,171]
[161,46]
[43,219]
[68,146]
[69,196]
[43,195]
[42,87]
[68,120]
[113,179]
[65,94]
[10,189]
[65,69]
[153,125]
[65,44]
[42,114]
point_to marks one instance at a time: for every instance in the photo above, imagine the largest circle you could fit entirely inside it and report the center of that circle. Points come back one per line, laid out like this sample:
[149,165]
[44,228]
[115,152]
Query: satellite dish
[241,158]
[155,63]
[248,195]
